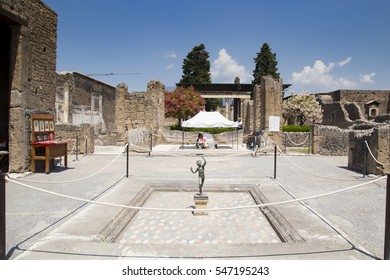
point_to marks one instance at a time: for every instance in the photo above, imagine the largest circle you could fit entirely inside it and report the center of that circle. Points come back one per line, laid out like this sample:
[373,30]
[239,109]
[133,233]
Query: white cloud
[367,78]
[169,66]
[171,54]
[320,74]
[344,62]
[225,69]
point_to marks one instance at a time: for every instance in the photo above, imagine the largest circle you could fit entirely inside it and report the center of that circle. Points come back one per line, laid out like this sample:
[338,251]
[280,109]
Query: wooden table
[48,151]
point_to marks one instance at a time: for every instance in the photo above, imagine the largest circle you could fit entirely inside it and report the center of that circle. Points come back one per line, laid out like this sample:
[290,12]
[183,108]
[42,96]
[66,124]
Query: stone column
[271,95]
[156,105]
[227,108]
[120,119]
[256,118]
[271,98]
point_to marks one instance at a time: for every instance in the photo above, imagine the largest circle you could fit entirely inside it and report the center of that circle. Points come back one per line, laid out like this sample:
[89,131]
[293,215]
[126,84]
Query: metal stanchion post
[86,146]
[77,147]
[127,160]
[2,216]
[364,160]
[237,137]
[308,143]
[150,144]
[387,220]
[275,151]
[182,139]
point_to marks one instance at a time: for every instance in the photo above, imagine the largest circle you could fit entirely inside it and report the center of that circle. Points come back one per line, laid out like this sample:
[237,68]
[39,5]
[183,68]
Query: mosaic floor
[220,227]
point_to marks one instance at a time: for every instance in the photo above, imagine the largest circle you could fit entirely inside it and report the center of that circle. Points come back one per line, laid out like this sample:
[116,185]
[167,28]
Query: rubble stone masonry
[32,65]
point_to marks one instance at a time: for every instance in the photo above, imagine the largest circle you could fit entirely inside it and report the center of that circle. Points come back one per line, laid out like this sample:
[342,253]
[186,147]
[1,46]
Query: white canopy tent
[209,119]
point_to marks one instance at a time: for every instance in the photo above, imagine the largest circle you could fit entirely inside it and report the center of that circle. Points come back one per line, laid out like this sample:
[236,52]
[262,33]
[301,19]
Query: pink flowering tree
[183,103]
[302,108]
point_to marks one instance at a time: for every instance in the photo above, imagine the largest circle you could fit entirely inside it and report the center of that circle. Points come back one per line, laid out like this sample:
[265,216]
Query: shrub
[296,128]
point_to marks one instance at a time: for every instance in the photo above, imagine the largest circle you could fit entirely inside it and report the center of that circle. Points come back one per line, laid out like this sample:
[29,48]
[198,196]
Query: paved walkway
[345,226]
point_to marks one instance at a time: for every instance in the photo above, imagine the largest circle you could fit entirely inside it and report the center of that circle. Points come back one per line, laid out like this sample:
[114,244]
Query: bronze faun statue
[200,170]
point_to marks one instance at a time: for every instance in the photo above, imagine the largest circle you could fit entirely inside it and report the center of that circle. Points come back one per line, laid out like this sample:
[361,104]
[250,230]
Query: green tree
[182,103]
[212,104]
[196,70]
[196,67]
[265,64]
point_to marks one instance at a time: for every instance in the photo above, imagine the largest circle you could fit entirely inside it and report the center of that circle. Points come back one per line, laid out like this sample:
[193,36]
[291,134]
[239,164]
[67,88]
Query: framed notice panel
[274,123]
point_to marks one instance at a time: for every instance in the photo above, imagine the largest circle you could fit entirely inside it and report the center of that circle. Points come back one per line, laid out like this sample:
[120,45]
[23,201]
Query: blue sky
[320,46]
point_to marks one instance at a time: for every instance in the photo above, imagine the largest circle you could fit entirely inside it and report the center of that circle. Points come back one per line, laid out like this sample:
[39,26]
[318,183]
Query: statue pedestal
[200,203]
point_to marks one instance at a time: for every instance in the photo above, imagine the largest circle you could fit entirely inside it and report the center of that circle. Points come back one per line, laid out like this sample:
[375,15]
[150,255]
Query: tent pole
[182,139]
[237,136]
[232,139]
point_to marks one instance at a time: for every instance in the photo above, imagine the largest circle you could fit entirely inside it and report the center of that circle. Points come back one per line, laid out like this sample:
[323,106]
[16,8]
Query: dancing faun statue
[200,170]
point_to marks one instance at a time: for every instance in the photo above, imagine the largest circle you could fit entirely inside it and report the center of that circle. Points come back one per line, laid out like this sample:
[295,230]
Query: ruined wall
[84,132]
[139,110]
[344,108]
[380,147]
[111,111]
[83,100]
[271,96]
[297,139]
[32,66]
[378,139]
[330,140]
[362,97]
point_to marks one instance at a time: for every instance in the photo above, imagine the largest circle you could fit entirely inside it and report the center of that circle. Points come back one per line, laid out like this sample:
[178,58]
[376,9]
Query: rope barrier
[186,209]
[311,173]
[369,150]
[186,156]
[79,179]
[288,136]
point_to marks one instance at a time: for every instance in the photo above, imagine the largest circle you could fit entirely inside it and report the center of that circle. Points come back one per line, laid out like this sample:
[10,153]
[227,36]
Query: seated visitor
[201,142]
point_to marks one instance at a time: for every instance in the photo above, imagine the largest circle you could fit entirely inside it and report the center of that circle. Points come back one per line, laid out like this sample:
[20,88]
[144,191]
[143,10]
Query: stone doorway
[5,38]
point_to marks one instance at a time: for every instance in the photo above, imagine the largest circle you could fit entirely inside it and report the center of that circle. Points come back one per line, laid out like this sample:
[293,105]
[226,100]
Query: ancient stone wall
[112,111]
[83,100]
[377,156]
[330,140]
[271,96]
[136,110]
[85,134]
[267,101]
[343,108]
[297,139]
[380,148]
[32,64]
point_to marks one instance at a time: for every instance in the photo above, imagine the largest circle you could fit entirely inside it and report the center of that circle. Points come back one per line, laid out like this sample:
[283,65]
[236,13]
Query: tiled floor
[218,227]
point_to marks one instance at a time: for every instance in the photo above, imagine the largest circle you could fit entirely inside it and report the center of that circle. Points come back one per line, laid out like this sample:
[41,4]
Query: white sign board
[274,123]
